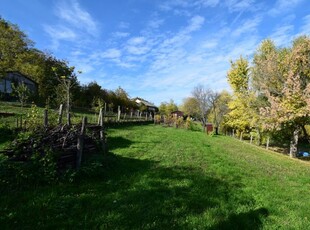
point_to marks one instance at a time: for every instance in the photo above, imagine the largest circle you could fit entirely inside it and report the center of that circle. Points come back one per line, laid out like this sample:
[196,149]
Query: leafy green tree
[166,108]
[190,107]
[220,109]
[242,115]
[238,75]
[13,42]
[22,92]
[291,108]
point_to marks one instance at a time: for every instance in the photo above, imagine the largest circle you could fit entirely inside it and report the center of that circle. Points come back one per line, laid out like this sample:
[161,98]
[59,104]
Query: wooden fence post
[60,114]
[267,142]
[45,118]
[102,136]
[80,143]
[99,116]
[69,119]
[251,139]
[118,113]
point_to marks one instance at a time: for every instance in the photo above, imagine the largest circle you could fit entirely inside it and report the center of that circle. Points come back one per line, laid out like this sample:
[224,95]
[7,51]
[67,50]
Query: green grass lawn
[166,178]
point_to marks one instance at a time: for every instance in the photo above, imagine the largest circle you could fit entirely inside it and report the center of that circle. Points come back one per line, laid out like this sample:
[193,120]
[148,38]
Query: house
[16,77]
[177,113]
[149,106]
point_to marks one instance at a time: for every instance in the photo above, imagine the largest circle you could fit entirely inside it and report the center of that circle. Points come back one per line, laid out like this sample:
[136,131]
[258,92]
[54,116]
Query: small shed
[209,128]
[16,78]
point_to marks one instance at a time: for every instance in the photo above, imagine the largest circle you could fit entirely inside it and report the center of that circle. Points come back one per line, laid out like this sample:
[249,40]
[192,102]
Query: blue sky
[156,49]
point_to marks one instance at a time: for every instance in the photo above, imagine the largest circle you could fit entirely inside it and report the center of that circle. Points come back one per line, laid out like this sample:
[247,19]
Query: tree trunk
[305,133]
[216,130]
[294,142]
[259,138]
[267,142]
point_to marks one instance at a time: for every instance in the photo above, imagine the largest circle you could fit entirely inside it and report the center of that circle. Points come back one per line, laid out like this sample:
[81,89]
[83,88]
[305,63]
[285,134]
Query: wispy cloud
[237,5]
[59,32]
[72,23]
[72,13]
[119,34]
[283,6]
[247,26]
[305,28]
[282,35]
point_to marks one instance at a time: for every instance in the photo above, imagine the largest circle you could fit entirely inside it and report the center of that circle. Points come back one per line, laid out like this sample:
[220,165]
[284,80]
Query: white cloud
[72,13]
[136,40]
[305,28]
[58,33]
[247,26]
[207,3]
[195,24]
[282,35]
[155,23]
[209,44]
[119,34]
[111,54]
[282,6]
[239,5]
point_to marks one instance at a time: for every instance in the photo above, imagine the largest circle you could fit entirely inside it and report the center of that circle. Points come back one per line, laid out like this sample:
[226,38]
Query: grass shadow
[137,194]
[118,142]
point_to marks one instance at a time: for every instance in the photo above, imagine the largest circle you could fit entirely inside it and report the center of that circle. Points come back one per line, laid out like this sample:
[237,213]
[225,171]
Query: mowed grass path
[166,178]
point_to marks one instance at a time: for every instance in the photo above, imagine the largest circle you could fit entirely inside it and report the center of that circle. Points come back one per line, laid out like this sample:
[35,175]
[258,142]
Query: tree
[291,108]
[66,83]
[13,42]
[203,95]
[238,75]
[166,108]
[190,107]
[22,92]
[220,109]
[241,115]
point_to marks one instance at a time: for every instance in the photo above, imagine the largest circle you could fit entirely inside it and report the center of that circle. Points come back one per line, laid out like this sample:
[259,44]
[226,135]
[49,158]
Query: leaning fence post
[99,116]
[102,135]
[119,113]
[60,114]
[45,119]
[80,143]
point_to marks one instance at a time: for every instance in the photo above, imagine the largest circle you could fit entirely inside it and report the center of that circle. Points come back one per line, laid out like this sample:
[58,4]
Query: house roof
[23,75]
[145,102]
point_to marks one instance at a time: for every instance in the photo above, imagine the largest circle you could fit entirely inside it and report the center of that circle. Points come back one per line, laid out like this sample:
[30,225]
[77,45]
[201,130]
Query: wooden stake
[45,118]
[80,143]
[60,114]
[119,113]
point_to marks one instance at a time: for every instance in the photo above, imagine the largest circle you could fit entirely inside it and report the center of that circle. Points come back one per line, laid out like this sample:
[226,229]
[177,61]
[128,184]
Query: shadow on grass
[6,135]
[118,142]
[137,194]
